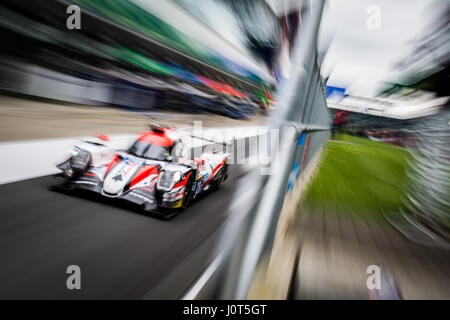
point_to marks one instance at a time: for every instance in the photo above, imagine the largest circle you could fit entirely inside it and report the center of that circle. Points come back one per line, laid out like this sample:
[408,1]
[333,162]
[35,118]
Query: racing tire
[223,174]
[187,193]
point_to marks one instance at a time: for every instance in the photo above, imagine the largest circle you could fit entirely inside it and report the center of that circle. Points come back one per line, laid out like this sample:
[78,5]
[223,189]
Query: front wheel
[187,193]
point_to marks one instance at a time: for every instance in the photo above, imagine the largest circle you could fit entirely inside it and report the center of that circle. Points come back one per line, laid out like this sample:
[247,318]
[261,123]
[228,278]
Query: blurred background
[356,91]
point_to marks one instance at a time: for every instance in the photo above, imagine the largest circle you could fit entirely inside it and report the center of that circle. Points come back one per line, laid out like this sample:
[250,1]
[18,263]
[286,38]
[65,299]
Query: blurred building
[131,53]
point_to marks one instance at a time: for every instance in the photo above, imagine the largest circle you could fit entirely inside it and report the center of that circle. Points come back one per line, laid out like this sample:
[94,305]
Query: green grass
[358,175]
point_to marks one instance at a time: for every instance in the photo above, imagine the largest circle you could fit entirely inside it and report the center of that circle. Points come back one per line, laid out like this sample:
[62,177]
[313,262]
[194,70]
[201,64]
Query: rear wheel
[221,177]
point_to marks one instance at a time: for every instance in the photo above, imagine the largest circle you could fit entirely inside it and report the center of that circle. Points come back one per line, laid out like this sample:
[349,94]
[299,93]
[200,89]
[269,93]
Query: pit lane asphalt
[122,252]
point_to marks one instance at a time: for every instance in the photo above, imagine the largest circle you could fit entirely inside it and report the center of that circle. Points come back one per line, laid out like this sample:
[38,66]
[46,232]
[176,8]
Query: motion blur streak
[125,55]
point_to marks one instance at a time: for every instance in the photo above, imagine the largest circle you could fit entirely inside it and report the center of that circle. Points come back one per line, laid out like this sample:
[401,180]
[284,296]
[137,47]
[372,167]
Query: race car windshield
[149,151]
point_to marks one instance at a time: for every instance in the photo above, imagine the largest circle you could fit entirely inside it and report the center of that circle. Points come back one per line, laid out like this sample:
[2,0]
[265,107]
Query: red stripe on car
[183,182]
[112,163]
[216,169]
[143,173]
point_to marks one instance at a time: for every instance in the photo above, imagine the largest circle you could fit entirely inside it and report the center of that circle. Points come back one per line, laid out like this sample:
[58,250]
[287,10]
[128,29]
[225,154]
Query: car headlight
[80,160]
[176,176]
[167,179]
[75,151]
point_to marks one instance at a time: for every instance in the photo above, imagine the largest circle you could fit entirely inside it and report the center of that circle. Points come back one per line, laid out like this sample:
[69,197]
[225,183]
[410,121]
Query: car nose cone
[118,177]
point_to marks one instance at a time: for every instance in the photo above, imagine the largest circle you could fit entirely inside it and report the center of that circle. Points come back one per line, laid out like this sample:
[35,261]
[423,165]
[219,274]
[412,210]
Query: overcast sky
[360,58]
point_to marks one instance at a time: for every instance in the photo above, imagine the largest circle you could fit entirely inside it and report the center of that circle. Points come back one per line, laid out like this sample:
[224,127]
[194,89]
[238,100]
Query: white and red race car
[155,173]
